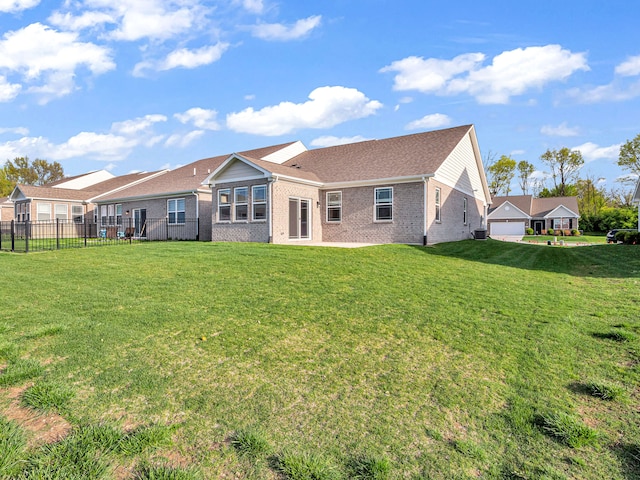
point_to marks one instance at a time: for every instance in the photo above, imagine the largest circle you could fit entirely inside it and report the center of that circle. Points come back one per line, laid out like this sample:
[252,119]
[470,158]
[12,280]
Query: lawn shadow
[629,455]
[598,261]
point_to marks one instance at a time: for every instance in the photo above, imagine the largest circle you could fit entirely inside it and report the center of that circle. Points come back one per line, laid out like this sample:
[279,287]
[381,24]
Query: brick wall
[282,192]
[451,226]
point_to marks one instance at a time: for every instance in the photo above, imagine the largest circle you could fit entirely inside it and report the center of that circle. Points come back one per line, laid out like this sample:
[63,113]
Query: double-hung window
[176,211]
[62,211]
[384,204]
[224,205]
[112,214]
[118,214]
[334,207]
[77,213]
[437,203]
[240,200]
[259,202]
[44,211]
[103,215]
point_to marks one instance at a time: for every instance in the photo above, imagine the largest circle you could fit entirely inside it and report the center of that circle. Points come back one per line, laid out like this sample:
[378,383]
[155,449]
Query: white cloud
[591,151]
[614,92]
[328,106]
[629,68]
[253,6]
[137,125]
[511,73]
[184,58]
[200,117]
[38,51]
[180,140]
[517,152]
[434,120]
[67,21]
[13,6]
[331,141]
[17,130]
[8,91]
[562,130]
[280,32]
[94,145]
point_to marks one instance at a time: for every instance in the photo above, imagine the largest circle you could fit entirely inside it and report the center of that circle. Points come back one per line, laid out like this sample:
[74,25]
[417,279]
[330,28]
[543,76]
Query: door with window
[299,218]
[140,222]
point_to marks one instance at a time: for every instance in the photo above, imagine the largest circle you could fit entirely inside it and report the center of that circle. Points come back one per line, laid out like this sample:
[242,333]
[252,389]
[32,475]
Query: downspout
[270,183]
[425,181]
[195,194]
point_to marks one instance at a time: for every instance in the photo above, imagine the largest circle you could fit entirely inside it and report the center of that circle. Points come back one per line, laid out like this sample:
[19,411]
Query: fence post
[57,234]
[85,231]
[27,232]
[130,231]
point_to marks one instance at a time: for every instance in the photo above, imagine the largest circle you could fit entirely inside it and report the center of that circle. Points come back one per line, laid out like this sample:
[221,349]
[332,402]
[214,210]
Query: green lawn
[200,360]
[588,239]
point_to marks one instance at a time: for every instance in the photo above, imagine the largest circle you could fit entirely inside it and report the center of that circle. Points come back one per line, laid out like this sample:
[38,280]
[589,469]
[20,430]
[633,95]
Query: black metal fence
[55,235]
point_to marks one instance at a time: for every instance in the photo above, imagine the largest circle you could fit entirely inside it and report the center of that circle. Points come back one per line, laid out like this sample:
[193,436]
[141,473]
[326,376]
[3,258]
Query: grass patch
[145,438]
[394,349]
[369,467]
[567,429]
[12,448]
[251,442]
[19,370]
[46,331]
[617,336]
[161,472]
[47,396]
[469,449]
[305,466]
[605,390]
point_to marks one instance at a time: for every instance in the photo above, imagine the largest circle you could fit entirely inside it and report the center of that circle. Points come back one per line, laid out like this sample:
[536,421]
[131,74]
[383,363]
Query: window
[176,211]
[259,202]
[112,214]
[384,204]
[464,210]
[224,205]
[438,218]
[103,214]
[77,213]
[44,211]
[118,214]
[240,195]
[561,223]
[62,212]
[334,207]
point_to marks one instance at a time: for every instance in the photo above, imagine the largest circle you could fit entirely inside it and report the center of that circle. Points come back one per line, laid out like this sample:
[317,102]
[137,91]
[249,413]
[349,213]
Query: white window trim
[176,211]
[56,211]
[254,203]
[39,211]
[230,205]
[237,204]
[329,206]
[438,204]
[376,204]
[118,215]
[74,215]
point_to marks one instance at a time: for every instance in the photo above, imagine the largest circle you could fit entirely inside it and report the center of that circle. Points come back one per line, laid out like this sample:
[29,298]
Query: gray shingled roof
[405,156]
[183,179]
[536,207]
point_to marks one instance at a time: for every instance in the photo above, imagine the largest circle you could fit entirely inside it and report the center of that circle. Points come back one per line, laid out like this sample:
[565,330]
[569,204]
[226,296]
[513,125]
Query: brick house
[416,189]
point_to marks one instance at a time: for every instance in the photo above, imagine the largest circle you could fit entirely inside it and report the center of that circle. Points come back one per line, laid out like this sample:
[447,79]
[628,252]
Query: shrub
[250,442]
[529,231]
[566,233]
[605,391]
[575,233]
[567,429]
[550,231]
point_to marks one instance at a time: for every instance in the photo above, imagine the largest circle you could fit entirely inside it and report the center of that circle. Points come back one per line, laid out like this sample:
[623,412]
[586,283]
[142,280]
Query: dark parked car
[611,236]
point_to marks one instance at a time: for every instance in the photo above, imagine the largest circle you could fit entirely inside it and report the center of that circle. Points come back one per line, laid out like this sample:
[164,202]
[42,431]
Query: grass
[605,390]
[19,370]
[436,359]
[567,429]
[588,239]
[12,446]
[47,396]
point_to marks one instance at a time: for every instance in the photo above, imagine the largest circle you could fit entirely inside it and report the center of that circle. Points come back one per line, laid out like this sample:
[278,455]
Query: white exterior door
[507,228]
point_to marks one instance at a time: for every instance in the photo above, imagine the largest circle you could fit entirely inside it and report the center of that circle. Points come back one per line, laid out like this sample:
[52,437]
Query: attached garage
[506,228]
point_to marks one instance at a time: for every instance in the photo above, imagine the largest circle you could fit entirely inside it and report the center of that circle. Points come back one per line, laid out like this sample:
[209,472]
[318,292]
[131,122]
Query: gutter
[270,182]
[425,181]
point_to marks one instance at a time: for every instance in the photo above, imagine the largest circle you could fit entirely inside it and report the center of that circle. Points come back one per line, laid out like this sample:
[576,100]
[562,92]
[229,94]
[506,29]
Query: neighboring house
[512,215]
[73,200]
[6,209]
[636,201]
[176,204]
[416,189]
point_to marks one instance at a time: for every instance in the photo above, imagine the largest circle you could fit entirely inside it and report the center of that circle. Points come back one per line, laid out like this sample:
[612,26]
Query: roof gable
[542,207]
[561,211]
[507,210]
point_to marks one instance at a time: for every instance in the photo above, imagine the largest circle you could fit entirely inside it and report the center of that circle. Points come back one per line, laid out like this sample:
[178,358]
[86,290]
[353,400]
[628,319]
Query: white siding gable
[560,211]
[238,170]
[460,170]
[507,211]
[86,180]
[286,153]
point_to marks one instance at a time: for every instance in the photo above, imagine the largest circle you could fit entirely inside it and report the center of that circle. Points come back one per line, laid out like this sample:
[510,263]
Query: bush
[566,233]
[629,238]
[529,231]
[550,231]
[575,233]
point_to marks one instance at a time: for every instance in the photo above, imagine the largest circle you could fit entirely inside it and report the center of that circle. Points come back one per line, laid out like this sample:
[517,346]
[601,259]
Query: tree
[591,198]
[629,157]
[525,170]
[6,187]
[565,165]
[39,172]
[500,175]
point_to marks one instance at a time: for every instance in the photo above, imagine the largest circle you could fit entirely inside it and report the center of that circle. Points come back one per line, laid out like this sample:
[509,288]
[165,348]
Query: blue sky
[132,85]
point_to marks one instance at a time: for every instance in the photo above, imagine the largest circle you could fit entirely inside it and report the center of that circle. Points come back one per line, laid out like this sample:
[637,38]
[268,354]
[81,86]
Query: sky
[143,85]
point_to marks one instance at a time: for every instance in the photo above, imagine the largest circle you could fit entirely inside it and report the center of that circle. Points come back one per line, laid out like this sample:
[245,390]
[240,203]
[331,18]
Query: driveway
[507,238]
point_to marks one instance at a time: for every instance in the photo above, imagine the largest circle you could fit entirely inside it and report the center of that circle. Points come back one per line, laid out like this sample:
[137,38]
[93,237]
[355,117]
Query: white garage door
[507,228]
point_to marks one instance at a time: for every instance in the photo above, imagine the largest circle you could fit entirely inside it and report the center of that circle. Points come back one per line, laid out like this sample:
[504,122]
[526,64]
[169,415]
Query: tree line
[23,171]
[600,209]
